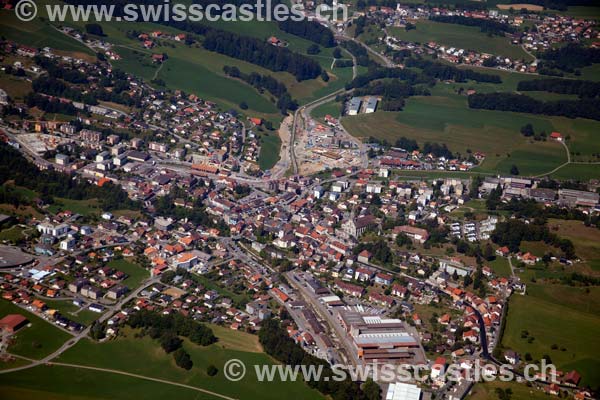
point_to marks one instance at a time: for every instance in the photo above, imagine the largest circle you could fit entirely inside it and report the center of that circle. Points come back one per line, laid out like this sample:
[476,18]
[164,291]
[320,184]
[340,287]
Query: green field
[500,267]
[69,310]
[446,119]
[13,234]
[460,36]
[64,383]
[38,33]
[554,316]
[136,274]
[578,171]
[16,88]
[585,239]
[332,108]
[145,357]
[487,391]
[35,341]
[83,207]
[269,150]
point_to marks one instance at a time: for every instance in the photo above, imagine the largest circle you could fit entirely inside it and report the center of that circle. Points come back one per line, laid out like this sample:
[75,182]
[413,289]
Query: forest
[310,30]
[584,89]
[261,53]
[264,82]
[569,57]
[584,108]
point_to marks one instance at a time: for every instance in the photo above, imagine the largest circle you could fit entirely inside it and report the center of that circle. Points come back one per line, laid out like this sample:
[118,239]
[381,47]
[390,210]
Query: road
[111,310]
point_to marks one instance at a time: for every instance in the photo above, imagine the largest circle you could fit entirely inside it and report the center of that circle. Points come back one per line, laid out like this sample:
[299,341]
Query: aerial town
[138,220]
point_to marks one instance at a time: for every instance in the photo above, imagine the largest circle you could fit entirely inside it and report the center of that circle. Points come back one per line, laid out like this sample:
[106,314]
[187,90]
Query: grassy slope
[38,34]
[551,318]
[64,383]
[144,356]
[35,341]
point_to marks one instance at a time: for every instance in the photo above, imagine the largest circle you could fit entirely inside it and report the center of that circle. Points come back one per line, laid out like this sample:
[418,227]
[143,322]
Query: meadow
[487,390]
[557,315]
[136,274]
[446,119]
[65,383]
[144,356]
[37,340]
[461,37]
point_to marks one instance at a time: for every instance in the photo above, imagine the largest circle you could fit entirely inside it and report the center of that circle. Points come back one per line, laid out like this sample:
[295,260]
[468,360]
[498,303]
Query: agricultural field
[487,390]
[460,36]
[462,129]
[66,383]
[558,316]
[36,340]
[144,356]
[585,239]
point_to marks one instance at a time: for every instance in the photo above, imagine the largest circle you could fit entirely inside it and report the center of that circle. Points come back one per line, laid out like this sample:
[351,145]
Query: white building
[47,228]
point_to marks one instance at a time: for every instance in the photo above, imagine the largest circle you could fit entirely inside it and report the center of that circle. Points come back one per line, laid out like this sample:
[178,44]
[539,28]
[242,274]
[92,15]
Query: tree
[211,370]
[371,390]
[94,29]
[313,49]
[170,342]
[527,130]
[514,170]
[337,53]
[183,359]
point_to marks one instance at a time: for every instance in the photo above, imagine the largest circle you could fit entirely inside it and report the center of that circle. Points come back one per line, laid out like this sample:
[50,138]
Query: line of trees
[569,57]
[358,51]
[485,25]
[584,89]
[393,93]
[310,30]
[583,108]
[512,232]
[167,329]
[265,82]
[410,76]
[50,105]
[449,72]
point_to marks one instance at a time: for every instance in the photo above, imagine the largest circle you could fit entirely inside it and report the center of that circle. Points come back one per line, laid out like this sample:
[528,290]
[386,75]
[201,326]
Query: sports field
[461,37]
